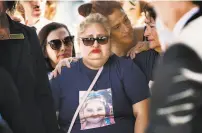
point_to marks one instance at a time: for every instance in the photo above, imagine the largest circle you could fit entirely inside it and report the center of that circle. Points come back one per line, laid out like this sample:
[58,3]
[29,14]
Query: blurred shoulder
[122,62]
[72,70]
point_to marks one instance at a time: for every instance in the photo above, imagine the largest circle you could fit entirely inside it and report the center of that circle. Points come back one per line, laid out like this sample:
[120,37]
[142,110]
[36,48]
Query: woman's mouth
[64,55]
[96,51]
[151,40]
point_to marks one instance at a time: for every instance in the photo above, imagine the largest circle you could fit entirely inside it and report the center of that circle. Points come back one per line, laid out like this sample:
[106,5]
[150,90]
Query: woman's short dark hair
[43,34]
[142,5]
[150,10]
[10,5]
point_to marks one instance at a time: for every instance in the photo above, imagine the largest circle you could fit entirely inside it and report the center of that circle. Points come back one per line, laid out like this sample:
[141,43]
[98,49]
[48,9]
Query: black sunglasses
[57,43]
[90,41]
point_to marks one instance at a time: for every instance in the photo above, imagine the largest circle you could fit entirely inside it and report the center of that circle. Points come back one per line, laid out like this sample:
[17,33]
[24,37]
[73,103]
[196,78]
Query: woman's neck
[94,64]
[53,65]
[120,49]
[184,8]
[30,21]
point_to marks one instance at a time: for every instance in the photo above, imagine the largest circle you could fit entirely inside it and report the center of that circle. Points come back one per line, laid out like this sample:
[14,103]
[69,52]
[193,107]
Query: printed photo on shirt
[97,110]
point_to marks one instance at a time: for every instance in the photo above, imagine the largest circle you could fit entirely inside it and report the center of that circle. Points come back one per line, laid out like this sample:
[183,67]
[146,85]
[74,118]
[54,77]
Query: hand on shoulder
[64,62]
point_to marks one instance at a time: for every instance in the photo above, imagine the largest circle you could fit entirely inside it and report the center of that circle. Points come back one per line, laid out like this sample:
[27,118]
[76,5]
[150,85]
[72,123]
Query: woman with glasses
[121,84]
[57,43]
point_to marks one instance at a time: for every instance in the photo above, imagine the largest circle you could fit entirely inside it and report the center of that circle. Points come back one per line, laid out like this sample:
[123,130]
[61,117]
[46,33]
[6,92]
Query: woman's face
[59,46]
[95,51]
[36,8]
[94,111]
[121,29]
[151,32]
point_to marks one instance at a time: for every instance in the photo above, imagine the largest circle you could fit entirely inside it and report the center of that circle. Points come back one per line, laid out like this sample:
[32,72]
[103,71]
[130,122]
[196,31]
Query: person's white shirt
[181,34]
[191,36]
[168,37]
[41,23]
[183,20]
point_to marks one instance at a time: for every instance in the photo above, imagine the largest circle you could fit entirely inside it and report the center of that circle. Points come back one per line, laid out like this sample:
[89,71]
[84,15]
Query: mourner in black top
[176,102]
[10,105]
[22,58]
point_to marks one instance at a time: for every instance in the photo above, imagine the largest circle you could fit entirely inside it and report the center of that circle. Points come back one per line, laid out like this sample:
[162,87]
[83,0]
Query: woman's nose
[95,113]
[62,46]
[126,29]
[95,44]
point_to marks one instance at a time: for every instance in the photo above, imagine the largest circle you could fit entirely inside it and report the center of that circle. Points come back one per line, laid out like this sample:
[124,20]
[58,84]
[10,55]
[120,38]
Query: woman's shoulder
[66,73]
[121,61]
[123,64]
[72,70]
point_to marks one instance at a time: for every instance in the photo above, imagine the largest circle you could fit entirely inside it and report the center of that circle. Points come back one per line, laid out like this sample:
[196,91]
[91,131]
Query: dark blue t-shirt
[146,61]
[108,108]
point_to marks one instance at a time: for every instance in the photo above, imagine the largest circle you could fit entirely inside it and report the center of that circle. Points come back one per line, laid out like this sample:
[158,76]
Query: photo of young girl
[97,110]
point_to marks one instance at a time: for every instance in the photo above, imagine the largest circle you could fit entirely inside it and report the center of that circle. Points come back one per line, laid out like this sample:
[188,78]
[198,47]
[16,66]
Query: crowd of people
[139,68]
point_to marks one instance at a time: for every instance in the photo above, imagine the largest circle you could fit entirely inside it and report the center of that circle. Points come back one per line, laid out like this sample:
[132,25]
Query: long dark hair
[43,34]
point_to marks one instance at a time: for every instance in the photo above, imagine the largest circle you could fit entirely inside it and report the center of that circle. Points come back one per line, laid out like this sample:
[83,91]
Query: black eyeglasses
[89,41]
[57,43]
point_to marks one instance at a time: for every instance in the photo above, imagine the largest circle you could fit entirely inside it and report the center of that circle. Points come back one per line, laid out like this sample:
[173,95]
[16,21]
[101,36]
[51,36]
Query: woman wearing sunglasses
[57,43]
[121,83]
